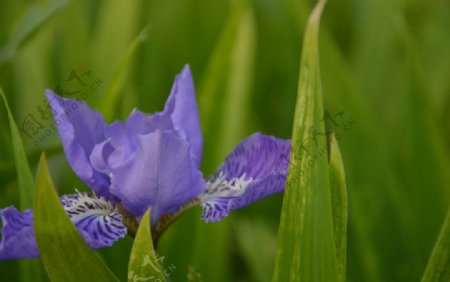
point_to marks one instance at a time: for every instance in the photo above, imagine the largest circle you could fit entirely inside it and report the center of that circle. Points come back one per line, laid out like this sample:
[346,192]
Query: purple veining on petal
[95,218]
[258,189]
[256,168]
[256,156]
[216,209]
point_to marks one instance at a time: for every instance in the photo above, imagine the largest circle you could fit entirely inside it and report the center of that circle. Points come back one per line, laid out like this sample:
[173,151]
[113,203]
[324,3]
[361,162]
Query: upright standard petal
[256,168]
[159,175]
[183,110]
[80,129]
[180,115]
[95,218]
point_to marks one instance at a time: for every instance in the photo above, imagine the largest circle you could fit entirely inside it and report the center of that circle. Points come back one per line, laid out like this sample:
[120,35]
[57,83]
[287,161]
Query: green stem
[163,223]
[166,220]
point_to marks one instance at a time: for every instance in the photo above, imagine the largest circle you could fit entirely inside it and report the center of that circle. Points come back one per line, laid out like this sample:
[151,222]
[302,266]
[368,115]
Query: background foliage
[384,69]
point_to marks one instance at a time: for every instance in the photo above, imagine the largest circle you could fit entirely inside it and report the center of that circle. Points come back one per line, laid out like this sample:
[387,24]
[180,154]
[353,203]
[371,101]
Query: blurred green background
[385,66]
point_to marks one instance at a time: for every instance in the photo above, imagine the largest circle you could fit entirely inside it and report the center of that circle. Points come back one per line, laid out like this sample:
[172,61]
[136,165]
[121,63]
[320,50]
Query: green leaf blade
[224,96]
[338,189]
[144,263]
[33,21]
[305,246]
[438,268]
[24,175]
[65,254]
[112,95]
[28,268]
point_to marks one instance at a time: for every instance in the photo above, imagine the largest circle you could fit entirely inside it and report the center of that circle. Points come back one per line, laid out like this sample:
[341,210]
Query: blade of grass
[29,269]
[224,96]
[238,90]
[34,19]
[109,102]
[115,28]
[256,242]
[338,190]
[305,243]
[438,268]
[24,176]
[65,254]
[225,88]
[144,264]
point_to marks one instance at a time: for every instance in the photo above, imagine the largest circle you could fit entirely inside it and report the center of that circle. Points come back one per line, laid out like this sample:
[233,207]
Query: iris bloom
[148,161]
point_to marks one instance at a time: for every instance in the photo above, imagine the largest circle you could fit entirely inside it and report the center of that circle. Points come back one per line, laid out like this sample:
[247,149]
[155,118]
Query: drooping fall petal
[95,218]
[256,168]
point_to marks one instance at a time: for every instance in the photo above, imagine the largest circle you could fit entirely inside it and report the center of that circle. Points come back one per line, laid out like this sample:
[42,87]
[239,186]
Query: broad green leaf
[28,268]
[343,94]
[144,262]
[338,189]
[438,268]
[306,246]
[34,19]
[65,254]
[111,97]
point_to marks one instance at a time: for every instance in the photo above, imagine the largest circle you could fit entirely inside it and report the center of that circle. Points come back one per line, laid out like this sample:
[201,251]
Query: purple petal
[116,149]
[100,155]
[121,136]
[80,129]
[256,168]
[180,115]
[183,110]
[159,175]
[17,235]
[95,218]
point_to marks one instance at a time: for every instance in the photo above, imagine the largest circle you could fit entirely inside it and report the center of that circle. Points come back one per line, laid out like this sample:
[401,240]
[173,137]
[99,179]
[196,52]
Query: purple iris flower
[148,161]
